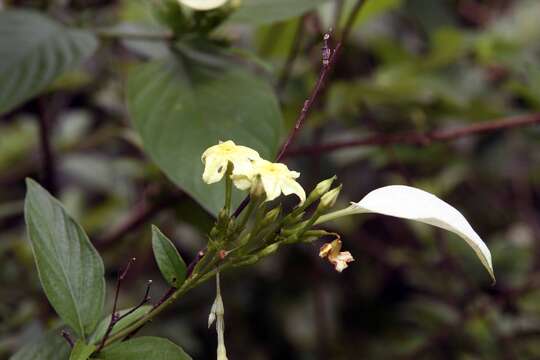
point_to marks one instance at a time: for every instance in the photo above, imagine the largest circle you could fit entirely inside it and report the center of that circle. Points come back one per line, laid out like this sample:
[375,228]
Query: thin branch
[165,296]
[194,262]
[114,316]
[66,335]
[423,139]
[329,59]
[144,300]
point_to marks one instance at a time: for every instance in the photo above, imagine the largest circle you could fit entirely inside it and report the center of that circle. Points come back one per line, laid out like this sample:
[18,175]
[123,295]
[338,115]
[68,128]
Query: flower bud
[329,199]
[250,260]
[321,189]
[271,216]
[313,235]
[269,250]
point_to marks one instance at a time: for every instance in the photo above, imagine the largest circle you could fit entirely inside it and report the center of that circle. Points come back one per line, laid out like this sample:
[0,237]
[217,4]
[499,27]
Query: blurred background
[412,83]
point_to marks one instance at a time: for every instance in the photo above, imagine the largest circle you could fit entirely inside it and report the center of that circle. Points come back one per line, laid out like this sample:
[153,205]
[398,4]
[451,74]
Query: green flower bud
[250,260]
[294,229]
[321,189]
[292,218]
[271,216]
[312,235]
[269,250]
[329,199]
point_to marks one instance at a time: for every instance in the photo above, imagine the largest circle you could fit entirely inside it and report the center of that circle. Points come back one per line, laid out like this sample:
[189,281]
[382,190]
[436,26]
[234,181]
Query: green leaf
[374,8]
[180,108]
[52,346]
[82,351]
[69,267]
[169,261]
[144,348]
[101,329]
[269,11]
[35,50]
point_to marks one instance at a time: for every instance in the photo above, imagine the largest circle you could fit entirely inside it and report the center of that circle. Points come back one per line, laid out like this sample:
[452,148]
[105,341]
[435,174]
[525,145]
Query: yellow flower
[339,259]
[216,159]
[203,4]
[272,178]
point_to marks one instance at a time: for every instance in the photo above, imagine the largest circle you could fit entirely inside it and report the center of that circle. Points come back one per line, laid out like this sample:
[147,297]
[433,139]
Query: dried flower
[339,259]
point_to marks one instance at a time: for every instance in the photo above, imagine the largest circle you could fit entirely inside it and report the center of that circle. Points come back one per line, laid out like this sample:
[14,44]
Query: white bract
[411,203]
[203,4]
[272,178]
[216,159]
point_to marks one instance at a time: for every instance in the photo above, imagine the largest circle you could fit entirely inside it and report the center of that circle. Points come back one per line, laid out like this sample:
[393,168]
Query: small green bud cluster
[263,227]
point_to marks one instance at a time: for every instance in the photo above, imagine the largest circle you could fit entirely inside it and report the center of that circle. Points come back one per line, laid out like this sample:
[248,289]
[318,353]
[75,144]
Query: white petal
[289,186]
[415,204]
[214,169]
[203,4]
[271,187]
[212,315]
[241,182]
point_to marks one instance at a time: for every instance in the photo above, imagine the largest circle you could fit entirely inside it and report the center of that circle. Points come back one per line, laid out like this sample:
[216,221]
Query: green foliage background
[408,66]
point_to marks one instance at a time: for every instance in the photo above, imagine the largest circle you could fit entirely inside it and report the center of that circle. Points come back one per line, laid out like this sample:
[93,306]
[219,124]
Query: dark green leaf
[69,267]
[180,109]
[268,11]
[169,261]
[35,50]
[82,351]
[101,329]
[52,346]
[144,348]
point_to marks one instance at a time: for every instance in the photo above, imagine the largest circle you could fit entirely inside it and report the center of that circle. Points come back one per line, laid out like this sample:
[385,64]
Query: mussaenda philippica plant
[235,240]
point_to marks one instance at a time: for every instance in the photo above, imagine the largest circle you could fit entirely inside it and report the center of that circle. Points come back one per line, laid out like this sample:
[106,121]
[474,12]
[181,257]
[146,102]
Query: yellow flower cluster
[250,171]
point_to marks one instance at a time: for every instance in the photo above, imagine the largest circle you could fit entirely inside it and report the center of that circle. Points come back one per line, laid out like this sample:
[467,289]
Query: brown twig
[66,335]
[114,316]
[194,262]
[145,299]
[423,139]
[164,298]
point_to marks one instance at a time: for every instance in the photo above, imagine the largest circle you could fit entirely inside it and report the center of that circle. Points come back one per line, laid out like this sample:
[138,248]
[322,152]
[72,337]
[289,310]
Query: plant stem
[228,190]
[351,210]
[188,285]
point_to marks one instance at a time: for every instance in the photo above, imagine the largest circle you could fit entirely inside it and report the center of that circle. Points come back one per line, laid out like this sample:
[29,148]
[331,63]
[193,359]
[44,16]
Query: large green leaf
[169,261]
[144,348]
[34,51]
[69,267]
[181,108]
[268,11]
[101,329]
[52,346]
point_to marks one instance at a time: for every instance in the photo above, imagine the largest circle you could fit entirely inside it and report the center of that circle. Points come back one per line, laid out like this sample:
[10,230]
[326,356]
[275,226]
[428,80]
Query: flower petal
[214,168]
[411,203]
[289,186]
[242,182]
[203,4]
[271,187]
